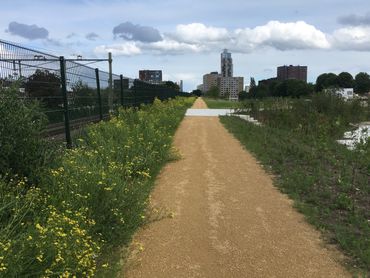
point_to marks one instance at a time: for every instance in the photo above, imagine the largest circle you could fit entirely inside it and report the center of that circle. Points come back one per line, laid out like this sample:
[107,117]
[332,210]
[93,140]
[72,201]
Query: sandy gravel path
[229,220]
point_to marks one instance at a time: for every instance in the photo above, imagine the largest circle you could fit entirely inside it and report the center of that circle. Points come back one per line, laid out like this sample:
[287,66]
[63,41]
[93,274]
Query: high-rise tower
[226,64]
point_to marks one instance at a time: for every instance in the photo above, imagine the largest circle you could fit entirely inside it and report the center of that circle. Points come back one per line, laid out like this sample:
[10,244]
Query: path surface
[229,220]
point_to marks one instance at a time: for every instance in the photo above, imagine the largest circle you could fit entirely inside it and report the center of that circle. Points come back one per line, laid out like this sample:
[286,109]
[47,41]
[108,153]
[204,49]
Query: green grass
[91,199]
[221,103]
[328,183]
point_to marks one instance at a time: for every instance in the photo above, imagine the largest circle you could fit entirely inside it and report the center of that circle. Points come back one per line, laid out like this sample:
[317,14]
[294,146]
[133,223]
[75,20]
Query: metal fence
[72,93]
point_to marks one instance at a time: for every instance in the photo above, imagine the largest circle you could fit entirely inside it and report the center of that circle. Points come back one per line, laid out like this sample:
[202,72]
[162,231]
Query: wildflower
[105,265]
[29,238]
[40,257]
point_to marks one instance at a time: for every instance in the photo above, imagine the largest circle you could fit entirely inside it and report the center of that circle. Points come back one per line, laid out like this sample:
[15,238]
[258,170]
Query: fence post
[121,83]
[65,101]
[110,83]
[99,94]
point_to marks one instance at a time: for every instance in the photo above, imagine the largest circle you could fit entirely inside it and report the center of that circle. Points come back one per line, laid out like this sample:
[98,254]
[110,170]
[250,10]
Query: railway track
[58,129]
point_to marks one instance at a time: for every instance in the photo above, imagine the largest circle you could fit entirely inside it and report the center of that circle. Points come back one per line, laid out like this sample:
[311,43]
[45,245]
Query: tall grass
[217,103]
[329,183]
[91,198]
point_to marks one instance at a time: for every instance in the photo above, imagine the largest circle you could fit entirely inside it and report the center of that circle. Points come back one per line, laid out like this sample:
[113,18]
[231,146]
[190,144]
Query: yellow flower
[29,238]
[39,257]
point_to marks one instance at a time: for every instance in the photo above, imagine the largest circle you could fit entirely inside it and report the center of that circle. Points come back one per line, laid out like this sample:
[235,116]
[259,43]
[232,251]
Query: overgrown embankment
[83,201]
[329,183]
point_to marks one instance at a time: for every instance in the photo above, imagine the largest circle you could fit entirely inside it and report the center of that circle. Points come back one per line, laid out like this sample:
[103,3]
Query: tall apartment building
[230,86]
[292,72]
[226,64]
[151,76]
[210,80]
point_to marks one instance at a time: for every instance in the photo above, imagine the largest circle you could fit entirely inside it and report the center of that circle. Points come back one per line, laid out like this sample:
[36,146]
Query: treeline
[299,88]
[291,88]
[360,83]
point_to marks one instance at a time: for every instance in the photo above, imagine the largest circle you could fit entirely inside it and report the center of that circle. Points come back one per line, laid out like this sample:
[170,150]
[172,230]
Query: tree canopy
[362,83]
[45,86]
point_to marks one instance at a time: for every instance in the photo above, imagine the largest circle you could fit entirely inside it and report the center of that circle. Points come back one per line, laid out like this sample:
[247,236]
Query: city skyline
[186,43]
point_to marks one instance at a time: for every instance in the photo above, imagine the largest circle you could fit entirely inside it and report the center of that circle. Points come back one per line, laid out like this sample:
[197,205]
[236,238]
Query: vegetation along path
[229,220]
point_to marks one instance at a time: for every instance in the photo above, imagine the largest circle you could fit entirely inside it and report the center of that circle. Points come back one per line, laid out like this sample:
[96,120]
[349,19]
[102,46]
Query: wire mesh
[38,75]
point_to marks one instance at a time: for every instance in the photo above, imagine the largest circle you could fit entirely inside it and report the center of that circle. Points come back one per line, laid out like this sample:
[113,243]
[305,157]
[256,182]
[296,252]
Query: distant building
[210,80]
[247,88]
[151,76]
[200,87]
[267,82]
[226,64]
[181,85]
[292,72]
[230,86]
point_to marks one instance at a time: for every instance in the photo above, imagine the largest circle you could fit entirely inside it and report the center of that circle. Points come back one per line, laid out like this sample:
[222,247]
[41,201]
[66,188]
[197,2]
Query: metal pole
[110,94]
[19,68]
[121,83]
[65,101]
[99,95]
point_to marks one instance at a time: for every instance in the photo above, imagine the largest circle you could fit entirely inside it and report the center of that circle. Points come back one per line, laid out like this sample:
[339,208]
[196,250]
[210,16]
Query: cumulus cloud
[282,36]
[355,20]
[31,32]
[198,33]
[352,38]
[123,49]
[135,32]
[92,36]
[168,46]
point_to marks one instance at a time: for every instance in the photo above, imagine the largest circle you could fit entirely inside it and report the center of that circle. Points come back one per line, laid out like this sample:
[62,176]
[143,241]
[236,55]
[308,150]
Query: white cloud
[199,33]
[123,49]
[282,36]
[168,46]
[352,38]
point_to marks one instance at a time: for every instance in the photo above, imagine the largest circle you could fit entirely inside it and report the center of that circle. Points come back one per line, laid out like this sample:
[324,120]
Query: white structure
[346,93]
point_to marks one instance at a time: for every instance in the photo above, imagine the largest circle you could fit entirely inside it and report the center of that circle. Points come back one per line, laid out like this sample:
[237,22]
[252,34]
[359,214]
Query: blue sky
[185,38]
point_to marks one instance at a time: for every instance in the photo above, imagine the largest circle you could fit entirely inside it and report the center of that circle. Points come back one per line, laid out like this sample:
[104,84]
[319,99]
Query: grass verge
[213,103]
[90,200]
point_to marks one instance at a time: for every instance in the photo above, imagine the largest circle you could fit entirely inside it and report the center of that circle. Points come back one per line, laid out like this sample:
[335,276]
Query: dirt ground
[228,219]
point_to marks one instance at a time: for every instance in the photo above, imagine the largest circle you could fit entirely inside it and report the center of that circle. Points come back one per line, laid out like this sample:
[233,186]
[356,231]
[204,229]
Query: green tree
[362,83]
[172,85]
[197,92]
[83,95]
[243,95]
[260,91]
[326,80]
[45,86]
[213,92]
[345,80]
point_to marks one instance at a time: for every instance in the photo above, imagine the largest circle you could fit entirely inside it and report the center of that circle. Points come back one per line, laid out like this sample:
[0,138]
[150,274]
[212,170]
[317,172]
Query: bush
[92,199]
[22,149]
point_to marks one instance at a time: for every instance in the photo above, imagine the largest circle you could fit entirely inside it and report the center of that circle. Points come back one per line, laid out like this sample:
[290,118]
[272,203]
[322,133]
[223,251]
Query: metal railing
[71,92]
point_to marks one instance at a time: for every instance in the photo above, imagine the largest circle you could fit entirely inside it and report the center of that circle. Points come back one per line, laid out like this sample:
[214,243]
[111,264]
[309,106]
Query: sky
[184,38]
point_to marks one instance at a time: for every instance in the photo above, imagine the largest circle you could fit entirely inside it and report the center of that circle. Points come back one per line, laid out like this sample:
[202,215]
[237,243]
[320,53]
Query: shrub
[22,150]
